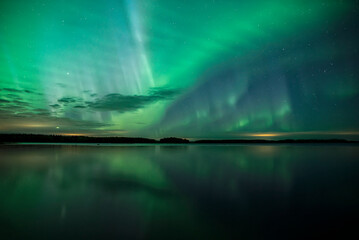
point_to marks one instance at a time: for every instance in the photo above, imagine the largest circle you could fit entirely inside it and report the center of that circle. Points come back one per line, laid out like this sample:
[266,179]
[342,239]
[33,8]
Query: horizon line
[26,137]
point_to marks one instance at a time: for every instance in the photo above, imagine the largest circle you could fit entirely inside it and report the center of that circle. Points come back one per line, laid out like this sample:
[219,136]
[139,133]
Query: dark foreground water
[179,192]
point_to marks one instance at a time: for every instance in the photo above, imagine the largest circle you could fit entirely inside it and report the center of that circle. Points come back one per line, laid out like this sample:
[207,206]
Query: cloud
[20,120]
[55,105]
[80,106]
[14,90]
[11,90]
[17,115]
[4,101]
[116,101]
[128,103]
[67,100]
[163,92]
[122,103]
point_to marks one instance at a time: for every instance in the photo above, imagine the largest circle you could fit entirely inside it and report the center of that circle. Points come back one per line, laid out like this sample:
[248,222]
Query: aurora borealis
[198,69]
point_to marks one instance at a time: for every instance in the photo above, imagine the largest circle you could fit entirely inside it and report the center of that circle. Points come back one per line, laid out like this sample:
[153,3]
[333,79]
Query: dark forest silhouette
[38,138]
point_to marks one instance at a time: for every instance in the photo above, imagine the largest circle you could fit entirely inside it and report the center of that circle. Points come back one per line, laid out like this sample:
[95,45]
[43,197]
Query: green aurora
[198,69]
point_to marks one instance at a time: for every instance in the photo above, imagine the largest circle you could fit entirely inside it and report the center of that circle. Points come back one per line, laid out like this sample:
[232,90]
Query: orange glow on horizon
[264,135]
[73,134]
[289,134]
[33,125]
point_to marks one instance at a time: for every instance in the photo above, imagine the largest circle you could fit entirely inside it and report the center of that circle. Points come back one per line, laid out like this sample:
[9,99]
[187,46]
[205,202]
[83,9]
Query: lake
[278,191]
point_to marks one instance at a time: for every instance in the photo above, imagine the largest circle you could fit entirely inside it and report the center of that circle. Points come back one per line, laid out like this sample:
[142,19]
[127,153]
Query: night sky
[194,69]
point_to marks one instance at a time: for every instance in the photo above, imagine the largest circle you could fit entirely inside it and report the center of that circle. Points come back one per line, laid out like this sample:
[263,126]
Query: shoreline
[59,139]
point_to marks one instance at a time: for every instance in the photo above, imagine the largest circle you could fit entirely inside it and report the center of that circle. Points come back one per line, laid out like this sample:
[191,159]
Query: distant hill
[232,141]
[174,140]
[37,138]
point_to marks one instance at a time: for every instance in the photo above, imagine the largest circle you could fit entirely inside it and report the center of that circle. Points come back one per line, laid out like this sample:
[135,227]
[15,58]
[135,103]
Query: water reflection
[178,192]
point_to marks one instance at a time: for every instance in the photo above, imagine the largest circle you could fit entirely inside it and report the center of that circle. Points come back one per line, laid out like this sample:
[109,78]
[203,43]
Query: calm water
[178,192]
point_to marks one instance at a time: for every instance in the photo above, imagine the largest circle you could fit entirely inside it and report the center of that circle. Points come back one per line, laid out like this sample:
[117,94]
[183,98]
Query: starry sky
[194,69]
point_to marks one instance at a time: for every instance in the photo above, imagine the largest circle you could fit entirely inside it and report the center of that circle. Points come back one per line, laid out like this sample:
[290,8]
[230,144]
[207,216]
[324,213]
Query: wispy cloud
[127,103]
[14,90]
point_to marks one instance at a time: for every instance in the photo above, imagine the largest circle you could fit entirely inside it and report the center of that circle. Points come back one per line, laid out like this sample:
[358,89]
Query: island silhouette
[39,138]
